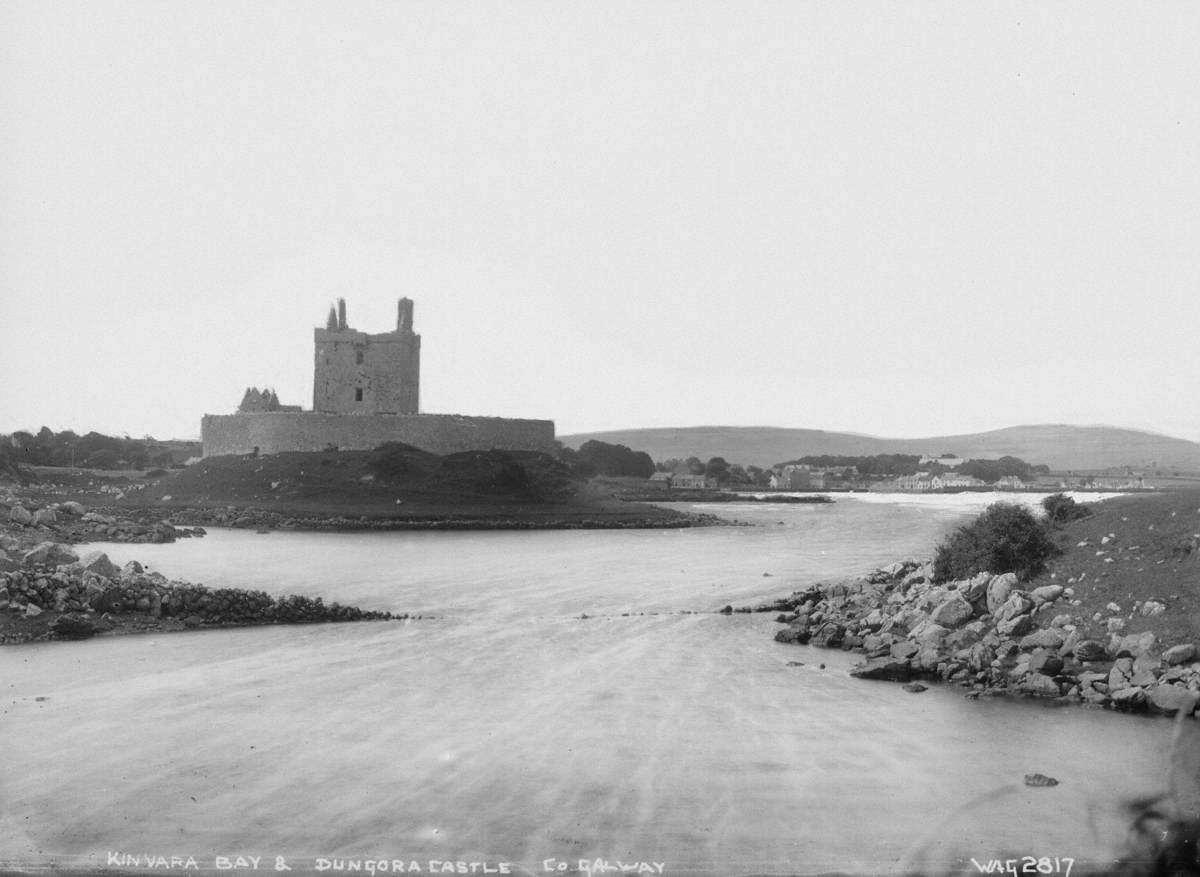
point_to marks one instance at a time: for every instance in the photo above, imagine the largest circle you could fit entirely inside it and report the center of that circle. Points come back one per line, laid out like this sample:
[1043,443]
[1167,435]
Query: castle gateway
[366,390]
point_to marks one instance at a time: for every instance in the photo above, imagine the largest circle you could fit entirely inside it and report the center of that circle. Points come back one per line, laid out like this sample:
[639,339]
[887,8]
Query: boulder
[998,590]
[979,657]
[1172,699]
[97,563]
[1153,607]
[20,515]
[904,649]
[44,516]
[1091,650]
[1046,594]
[1128,698]
[50,554]
[931,598]
[32,610]
[1048,638]
[1148,661]
[7,565]
[73,508]
[1142,678]
[928,658]
[1134,644]
[94,591]
[915,687]
[1180,654]
[1014,627]
[1045,662]
[975,588]
[133,568]
[1118,676]
[889,668]
[73,626]
[828,635]
[1041,685]
[1018,603]
[929,633]
[952,612]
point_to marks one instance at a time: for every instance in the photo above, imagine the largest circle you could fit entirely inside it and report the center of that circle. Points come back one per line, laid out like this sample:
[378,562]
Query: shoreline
[57,595]
[262,519]
[989,636]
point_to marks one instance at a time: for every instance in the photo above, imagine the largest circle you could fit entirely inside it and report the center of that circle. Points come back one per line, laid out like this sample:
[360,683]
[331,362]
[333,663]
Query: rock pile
[988,634]
[87,594]
[72,522]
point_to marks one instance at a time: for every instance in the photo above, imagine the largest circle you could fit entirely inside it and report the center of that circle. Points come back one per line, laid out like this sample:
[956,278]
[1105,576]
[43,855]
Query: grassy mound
[1137,553]
[399,482]
[353,477]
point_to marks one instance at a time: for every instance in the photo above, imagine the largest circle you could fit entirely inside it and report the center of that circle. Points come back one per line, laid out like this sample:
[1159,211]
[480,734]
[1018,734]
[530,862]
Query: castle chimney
[341,313]
[331,320]
[404,321]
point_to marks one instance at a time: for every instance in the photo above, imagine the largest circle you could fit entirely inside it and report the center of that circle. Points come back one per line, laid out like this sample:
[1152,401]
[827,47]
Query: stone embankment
[53,593]
[73,522]
[989,635]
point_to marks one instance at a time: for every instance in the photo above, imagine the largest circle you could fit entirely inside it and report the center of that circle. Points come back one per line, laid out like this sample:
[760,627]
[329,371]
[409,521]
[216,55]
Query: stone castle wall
[279,431]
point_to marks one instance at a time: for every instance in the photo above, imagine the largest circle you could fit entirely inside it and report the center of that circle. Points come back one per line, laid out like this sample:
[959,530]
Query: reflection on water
[509,727]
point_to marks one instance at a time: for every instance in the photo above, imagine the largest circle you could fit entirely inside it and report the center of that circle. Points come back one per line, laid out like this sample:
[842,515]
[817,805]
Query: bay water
[567,701]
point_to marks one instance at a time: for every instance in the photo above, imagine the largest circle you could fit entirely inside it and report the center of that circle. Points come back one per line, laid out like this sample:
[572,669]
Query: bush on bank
[1061,509]
[1004,538]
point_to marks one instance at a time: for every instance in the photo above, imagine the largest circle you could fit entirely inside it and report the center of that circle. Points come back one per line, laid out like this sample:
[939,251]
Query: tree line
[92,450]
[883,465]
[601,458]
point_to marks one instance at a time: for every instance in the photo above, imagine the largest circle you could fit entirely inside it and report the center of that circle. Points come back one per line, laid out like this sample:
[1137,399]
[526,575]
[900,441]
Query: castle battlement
[366,389]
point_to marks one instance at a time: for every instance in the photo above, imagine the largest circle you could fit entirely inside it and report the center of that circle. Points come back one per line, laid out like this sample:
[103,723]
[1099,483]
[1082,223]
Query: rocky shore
[993,637]
[72,522]
[48,591]
[56,594]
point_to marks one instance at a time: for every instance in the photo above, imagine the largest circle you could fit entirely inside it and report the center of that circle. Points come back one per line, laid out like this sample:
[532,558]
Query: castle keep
[357,373]
[366,390]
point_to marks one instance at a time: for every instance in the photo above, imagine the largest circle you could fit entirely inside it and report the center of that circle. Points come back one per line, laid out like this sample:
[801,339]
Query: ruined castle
[366,390]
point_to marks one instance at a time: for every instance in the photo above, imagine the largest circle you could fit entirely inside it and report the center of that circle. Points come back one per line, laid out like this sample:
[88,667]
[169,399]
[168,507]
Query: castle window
[358,394]
[358,357]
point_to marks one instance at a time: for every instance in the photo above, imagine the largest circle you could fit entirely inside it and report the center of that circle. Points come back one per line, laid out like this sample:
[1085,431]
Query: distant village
[944,473]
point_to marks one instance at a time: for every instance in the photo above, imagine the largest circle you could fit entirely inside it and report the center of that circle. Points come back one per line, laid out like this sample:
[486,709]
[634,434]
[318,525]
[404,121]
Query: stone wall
[275,432]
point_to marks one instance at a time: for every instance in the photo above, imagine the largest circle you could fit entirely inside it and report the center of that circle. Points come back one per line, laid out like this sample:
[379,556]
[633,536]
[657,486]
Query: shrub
[1005,538]
[1061,509]
[393,461]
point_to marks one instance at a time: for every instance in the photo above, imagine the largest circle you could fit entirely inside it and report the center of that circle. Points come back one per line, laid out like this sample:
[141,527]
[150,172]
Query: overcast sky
[904,219]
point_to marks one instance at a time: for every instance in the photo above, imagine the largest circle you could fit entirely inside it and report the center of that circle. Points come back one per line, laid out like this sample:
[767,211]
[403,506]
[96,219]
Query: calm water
[510,727]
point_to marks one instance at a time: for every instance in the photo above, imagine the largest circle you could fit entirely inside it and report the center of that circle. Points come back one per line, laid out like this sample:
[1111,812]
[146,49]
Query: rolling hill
[1060,446]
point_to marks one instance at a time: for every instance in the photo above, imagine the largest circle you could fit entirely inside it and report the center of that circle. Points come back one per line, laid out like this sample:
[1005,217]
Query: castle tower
[357,373]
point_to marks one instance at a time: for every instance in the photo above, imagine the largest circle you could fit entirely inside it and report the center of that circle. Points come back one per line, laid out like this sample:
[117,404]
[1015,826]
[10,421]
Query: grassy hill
[1132,550]
[1060,446]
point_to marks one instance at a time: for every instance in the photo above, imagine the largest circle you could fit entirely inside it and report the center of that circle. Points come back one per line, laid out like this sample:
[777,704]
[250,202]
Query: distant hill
[1060,446]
